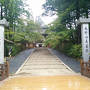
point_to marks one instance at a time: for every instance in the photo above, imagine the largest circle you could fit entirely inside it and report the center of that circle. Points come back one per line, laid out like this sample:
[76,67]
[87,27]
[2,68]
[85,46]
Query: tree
[12,11]
[70,9]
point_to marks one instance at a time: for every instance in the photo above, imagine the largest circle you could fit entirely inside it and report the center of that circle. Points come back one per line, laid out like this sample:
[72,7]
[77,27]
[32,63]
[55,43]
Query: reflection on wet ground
[46,83]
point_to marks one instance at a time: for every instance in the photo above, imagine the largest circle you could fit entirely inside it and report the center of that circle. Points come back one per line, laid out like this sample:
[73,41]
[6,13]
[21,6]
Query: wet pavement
[46,83]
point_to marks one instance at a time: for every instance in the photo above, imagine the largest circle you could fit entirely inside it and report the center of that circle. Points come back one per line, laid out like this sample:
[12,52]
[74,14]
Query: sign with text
[1,44]
[85,42]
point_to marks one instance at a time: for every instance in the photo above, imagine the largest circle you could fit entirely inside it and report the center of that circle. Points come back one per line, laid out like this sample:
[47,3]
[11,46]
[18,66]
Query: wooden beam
[9,41]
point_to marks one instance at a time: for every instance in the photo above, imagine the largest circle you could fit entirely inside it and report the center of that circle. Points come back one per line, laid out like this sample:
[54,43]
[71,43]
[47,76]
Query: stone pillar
[3,23]
[85,41]
[85,37]
[1,44]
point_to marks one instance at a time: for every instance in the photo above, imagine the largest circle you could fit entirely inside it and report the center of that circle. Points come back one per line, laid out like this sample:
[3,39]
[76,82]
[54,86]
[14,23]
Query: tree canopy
[65,27]
[12,10]
[69,10]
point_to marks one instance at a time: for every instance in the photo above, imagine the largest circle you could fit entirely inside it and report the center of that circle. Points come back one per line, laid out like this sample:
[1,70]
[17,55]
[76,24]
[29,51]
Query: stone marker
[85,37]
[3,23]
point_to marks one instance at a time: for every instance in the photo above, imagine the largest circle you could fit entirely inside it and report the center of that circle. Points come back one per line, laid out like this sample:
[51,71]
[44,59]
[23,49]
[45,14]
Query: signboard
[1,44]
[85,42]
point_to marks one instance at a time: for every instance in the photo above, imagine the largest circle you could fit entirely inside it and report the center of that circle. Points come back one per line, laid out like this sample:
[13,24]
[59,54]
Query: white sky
[36,8]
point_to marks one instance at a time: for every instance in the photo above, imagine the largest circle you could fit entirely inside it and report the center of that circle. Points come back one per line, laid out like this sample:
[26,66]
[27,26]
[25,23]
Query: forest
[64,33]
[21,26]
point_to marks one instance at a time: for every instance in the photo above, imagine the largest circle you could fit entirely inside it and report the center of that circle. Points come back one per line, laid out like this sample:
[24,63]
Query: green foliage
[52,40]
[12,10]
[25,33]
[68,10]
[65,42]
[20,40]
[56,26]
[32,26]
[29,37]
[16,49]
[6,49]
[75,51]
[20,31]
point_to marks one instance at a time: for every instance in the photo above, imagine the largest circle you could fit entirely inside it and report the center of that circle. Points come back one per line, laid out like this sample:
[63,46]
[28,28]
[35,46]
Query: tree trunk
[1,13]
[77,9]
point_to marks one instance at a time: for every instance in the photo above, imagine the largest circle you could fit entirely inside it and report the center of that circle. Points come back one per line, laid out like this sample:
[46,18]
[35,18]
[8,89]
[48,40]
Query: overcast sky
[36,8]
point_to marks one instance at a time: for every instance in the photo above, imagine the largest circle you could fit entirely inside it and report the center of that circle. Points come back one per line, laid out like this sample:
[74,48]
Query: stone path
[43,62]
[70,62]
[18,60]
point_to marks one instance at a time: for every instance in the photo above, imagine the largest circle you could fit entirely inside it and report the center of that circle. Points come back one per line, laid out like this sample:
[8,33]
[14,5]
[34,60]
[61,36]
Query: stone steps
[43,62]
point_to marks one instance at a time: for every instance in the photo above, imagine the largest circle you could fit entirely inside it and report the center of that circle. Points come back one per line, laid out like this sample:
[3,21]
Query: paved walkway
[46,83]
[18,60]
[70,62]
[43,62]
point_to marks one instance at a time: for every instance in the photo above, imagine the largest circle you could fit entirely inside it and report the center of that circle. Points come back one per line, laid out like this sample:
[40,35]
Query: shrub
[75,51]
[52,40]
[6,49]
[16,49]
